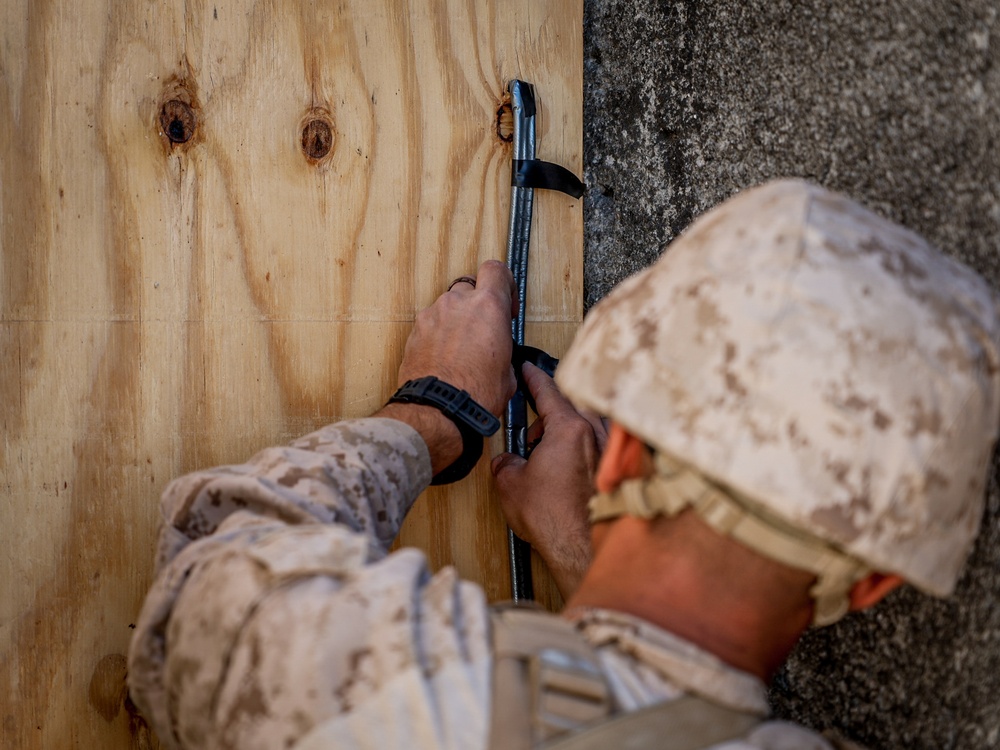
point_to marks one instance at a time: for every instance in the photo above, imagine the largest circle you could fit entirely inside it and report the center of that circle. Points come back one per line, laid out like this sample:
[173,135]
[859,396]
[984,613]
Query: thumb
[510,474]
[506,467]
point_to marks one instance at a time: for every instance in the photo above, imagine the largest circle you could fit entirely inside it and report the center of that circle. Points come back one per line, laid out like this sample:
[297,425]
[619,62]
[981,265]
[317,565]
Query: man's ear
[872,589]
[624,457]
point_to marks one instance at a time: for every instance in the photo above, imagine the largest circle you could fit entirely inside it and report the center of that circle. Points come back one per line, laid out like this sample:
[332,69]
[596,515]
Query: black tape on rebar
[544,175]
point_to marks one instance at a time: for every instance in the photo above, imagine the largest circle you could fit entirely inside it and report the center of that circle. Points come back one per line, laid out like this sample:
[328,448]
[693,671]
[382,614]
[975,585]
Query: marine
[785,418]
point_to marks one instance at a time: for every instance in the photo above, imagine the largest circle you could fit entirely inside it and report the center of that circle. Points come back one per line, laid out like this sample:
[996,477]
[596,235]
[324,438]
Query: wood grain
[165,306]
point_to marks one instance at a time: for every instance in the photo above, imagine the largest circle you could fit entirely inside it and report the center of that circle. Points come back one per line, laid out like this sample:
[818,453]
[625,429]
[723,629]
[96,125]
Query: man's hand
[544,498]
[464,339]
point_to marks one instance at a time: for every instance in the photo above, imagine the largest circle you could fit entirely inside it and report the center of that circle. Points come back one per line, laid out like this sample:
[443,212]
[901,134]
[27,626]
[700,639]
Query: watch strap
[473,421]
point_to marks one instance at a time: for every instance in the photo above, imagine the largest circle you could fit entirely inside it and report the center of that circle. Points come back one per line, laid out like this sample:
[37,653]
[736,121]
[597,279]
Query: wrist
[443,440]
[473,422]
[568,571]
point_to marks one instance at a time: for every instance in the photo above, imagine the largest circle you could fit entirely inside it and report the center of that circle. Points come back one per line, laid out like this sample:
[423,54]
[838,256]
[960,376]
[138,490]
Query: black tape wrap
[544,175]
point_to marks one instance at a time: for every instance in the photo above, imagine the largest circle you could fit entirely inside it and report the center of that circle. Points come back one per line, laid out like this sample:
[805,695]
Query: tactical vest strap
[549,692]
[546,679]
[688,723]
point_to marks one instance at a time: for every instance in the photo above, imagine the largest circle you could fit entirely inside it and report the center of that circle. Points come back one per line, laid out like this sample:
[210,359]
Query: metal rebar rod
[522,100]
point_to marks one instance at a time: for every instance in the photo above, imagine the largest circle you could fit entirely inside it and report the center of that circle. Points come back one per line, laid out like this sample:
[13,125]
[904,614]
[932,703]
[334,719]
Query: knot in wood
[177,121]
[317,138]
[505,123]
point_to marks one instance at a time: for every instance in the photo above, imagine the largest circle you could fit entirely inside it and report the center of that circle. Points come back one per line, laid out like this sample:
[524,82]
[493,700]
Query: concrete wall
[895,104]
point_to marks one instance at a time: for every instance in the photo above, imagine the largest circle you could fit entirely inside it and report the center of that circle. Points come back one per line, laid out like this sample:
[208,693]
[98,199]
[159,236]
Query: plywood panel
[166,306]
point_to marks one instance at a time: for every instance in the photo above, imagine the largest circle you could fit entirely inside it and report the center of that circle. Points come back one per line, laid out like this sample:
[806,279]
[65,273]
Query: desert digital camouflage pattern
[818,360]
[278,608]
[279,618]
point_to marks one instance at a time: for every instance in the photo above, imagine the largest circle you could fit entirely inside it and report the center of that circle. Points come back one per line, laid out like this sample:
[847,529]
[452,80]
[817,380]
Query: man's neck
[683,577]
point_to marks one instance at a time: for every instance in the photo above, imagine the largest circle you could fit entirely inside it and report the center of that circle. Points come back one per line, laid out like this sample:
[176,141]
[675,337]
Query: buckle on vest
[568,692]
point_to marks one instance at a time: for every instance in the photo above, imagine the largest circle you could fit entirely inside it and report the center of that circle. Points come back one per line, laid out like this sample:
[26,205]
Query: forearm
[440,435]
[297,531]
[361,474]
[275,606]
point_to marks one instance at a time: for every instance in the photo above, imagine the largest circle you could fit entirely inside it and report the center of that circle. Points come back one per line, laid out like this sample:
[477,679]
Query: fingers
[494,278]
[495,275]
[556,412]
[468,281]
[509,471]
[464,338]
[505,462]
[600,427]
[548,398]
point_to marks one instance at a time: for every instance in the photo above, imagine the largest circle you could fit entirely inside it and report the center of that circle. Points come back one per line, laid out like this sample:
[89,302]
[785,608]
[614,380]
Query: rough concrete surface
[896,104]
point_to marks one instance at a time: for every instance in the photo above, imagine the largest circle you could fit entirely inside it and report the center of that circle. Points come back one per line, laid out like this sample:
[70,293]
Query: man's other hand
[544,498]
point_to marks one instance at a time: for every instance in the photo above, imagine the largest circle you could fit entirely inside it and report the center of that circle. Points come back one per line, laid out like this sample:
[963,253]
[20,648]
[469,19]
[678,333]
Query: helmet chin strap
[673,488]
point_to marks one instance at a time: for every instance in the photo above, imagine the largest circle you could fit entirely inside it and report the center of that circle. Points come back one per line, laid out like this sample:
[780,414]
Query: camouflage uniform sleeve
[363,474]
[278,611]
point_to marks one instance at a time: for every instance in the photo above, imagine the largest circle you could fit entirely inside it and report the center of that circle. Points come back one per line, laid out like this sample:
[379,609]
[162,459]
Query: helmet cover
[817,359]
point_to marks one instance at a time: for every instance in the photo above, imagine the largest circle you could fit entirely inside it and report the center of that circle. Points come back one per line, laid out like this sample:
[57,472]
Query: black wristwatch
[473,421]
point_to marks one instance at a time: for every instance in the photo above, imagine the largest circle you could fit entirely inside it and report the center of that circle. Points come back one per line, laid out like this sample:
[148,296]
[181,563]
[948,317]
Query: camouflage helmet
[825,366]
